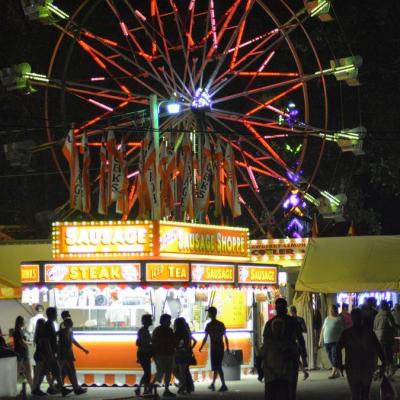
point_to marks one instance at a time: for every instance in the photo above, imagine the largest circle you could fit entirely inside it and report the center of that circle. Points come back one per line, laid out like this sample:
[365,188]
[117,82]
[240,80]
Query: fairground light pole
[153,102]
[173,108]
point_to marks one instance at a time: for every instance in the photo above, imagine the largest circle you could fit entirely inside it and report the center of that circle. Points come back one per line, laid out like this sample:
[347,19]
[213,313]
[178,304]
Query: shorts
[216,359]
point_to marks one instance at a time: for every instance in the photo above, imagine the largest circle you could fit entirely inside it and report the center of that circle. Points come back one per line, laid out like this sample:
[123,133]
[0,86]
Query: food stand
[108,274]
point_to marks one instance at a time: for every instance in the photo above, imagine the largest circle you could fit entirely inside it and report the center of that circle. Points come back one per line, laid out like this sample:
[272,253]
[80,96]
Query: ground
[317,387]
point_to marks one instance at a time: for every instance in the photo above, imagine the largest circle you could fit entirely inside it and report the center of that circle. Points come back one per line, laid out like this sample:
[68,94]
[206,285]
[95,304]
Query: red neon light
[253,179]
[124,28]
[140,15]
[125,89]
[277,97]
[101,105]
[213,27]
[265,144]
[98,78]
[239,38]
[267,60]
[266,73]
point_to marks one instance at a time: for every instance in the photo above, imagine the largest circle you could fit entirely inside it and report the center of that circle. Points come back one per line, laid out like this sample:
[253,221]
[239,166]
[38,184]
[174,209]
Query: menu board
[232,308]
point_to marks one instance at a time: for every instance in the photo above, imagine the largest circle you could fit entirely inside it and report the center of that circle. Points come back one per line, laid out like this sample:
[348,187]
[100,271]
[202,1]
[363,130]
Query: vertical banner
[122,199]
[69,153]
[232,192]
[103,192]
[170,175]
[218,179]
[111,152]
[149,170]
[86,189]
[187,187]
[203,191]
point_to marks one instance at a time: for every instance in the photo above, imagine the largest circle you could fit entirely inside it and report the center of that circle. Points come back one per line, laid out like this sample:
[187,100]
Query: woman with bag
[184,344]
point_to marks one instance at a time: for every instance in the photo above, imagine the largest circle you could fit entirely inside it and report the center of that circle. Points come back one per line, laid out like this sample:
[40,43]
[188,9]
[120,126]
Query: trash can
[231,364]
[9,372]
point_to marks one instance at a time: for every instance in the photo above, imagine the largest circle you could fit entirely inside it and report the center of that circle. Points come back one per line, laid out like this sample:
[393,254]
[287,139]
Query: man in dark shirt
[50,348]
[292,334]
[163,340]
[217,332]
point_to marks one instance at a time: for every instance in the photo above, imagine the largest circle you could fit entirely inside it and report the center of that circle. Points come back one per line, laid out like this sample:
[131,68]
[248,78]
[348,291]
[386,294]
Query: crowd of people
[365,334]
[172,351]
[53,351]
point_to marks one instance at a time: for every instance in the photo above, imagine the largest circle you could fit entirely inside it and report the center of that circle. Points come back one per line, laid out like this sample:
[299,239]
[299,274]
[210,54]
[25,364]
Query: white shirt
[32,324]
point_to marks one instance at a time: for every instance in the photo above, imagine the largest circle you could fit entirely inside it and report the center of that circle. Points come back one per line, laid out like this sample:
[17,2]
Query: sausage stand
[108,274]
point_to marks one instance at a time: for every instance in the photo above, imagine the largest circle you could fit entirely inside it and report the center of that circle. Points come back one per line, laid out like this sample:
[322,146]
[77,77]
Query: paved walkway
[317,387]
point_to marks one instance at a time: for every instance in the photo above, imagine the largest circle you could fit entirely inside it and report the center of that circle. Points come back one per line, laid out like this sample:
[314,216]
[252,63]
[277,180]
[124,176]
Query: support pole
[156,135]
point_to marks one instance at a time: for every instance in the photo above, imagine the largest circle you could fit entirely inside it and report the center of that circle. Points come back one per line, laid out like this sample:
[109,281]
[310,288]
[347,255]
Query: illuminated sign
[30,273]
[203,241]
[257,274]
[92,272]
[167,272]
[105,240]
[213,273]
[285,251]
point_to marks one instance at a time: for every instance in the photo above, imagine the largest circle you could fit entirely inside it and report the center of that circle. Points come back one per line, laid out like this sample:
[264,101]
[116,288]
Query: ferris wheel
[243,74]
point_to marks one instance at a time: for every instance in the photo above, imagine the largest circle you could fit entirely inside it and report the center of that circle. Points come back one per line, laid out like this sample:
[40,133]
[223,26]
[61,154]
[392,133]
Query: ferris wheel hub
[201,99]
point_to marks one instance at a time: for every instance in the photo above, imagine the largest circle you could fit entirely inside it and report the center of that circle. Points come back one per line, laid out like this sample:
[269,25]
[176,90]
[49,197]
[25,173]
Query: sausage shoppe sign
[203,241]
[147,239]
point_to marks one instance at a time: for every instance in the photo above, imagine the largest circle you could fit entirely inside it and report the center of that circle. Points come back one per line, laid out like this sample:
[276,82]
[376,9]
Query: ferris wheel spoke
[271,48]
[127,33]
[185,51]
[164,53]
[274,99]
[229,14]
[199,75]
[239,36]
[101,57]
[97,119]
[269,148]
[102,92]
[296,83]
[233,37]
[241,118]
[266,154]
[221,81]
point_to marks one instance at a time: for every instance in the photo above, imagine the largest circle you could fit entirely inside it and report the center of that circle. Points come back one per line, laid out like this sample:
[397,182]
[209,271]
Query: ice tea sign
[267,275]
[102,240]
[92,272]
[213,273]
[167,272]
[216,242]
[30,273]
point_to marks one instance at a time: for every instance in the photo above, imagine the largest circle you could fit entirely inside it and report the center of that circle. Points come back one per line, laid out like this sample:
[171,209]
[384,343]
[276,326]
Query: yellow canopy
[351,264]
[11,256]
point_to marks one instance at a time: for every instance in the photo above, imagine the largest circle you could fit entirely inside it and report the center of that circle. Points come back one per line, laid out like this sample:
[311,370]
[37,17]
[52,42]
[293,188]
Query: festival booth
[345,268]
[108,274]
